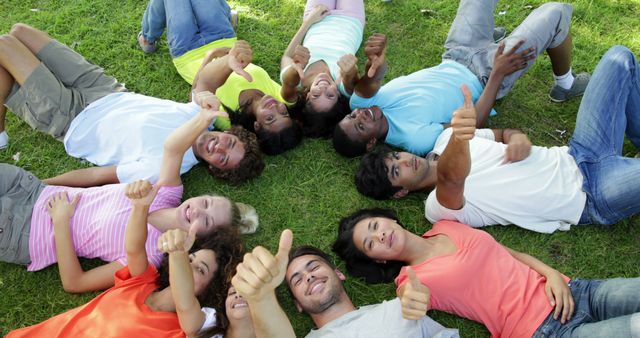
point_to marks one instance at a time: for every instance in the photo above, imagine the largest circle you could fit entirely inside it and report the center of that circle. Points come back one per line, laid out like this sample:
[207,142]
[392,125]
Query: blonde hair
[245,218]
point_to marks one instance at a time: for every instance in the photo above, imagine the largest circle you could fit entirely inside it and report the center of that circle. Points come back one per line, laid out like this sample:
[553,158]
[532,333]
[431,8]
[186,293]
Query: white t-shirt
[128,130]
[542,193]
[382,320]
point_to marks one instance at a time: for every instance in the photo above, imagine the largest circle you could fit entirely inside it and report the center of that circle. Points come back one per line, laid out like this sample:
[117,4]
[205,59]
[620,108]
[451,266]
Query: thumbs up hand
[463,121]
[261,272]
[414,297]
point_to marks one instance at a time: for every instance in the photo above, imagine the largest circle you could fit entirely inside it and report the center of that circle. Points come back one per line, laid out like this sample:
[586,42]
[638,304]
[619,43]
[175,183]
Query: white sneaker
[4,139]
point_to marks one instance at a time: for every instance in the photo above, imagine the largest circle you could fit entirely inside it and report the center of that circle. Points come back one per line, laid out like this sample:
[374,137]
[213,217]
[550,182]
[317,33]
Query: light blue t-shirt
[128,130]
[330,39]
[418,104]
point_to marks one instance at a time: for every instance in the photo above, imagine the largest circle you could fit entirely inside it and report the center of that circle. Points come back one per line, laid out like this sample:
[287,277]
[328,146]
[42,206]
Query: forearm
[487,99]
[87,177]
[182,288]
[136,234]
[532,262]
[368,86]
[454,164]
[181,139]
[504,135]
[269,320]
[287,57]
[68,264]
[212,75]
[349,81]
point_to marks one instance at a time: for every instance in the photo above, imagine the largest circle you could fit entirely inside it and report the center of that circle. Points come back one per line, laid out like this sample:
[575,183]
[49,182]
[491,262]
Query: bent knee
[618,54]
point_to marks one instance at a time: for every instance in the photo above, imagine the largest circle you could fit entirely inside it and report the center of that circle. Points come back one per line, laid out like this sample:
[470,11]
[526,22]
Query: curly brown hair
[227,244]
[251,165]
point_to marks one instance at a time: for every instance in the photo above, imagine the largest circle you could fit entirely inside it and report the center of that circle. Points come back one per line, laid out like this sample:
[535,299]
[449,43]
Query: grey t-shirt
[382,320]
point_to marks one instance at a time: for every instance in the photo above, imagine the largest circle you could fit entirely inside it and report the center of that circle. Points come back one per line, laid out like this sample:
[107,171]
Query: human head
[228,250]
[250,166]
[207,213]
[359,131]
[313,280]
[322,95]
[236,307]
[320,123]
[357,263]
[271,121]
[384,174]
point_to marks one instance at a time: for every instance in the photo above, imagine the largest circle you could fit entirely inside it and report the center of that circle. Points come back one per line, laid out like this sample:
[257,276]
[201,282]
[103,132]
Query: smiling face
[363,124]
[236,306]
[204,266]
[314,284]
[409,171]
[379,238]
[323,93]
[221,150]
[204,213]
[271,115]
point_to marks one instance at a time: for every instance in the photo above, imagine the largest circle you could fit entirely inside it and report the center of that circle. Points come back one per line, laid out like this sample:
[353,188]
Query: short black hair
[372,177]
[346,146]
[357,263]
[310,250]
[321,124]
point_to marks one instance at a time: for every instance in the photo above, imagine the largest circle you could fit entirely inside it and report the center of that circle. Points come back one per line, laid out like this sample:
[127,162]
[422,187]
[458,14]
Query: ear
[257,126]
[298,307]
[380,261]
[371,143]
[401,193]
[340,275]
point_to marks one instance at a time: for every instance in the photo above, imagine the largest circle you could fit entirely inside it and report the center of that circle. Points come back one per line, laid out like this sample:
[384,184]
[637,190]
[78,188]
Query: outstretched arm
[211,55]
[348,64]
[141,193]
[370,82]
[214,74]
[503,65]
[177,243]
[86,177]
[455,162]
[74,278]
[318,13]
[256,279]
[183,137]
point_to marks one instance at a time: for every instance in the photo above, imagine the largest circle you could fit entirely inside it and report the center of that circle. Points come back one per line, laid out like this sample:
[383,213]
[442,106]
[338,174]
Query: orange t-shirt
[482,281]
[118,312]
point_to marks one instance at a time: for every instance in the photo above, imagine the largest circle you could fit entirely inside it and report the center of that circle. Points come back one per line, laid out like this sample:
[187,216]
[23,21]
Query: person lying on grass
[252,99]
[95,226]
[317,289]
[56,91]
[411,111]
[466,272]
[320,62]
[146,302]
[485,177]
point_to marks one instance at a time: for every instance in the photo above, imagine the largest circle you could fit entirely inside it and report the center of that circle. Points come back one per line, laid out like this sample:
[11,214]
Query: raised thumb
[286,240]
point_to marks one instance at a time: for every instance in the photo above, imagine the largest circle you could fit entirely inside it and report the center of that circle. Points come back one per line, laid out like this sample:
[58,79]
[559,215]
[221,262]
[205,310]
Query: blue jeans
[190,23]
[610,109]
[603,308]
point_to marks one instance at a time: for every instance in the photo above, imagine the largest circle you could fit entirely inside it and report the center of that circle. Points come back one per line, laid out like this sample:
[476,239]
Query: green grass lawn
[311,188]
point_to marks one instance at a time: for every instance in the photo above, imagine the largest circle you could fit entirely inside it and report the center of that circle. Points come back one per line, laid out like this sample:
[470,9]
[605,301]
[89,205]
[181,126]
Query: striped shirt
[97,226]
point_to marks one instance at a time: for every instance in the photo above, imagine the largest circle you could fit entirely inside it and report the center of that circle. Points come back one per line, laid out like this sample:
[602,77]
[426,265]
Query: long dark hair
[270,143]
[357,263]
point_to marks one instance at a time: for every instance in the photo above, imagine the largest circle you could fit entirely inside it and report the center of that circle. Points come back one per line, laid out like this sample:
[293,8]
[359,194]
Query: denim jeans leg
[213,18]
[154,20]
[608,110]
[614,308]
[182,28]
